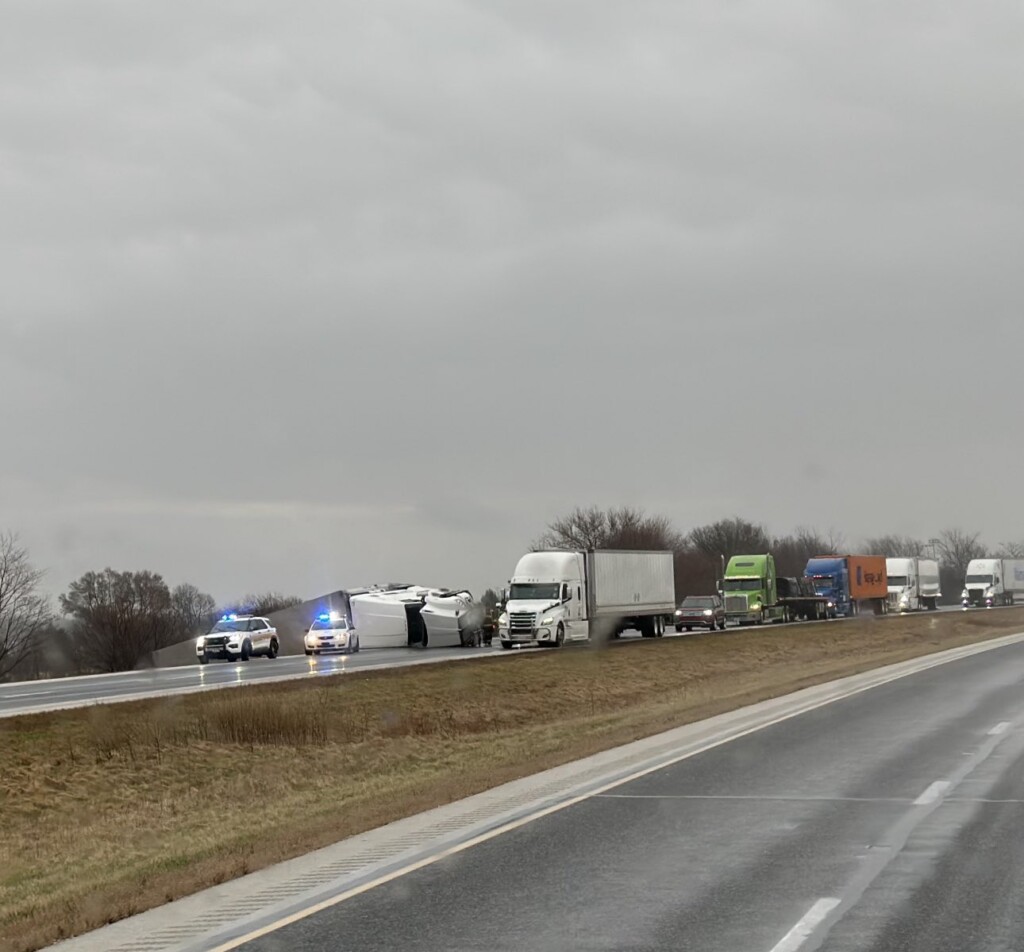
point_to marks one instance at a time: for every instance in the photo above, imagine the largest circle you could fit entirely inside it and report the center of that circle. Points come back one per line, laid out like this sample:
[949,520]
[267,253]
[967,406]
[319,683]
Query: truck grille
[894,599]
[736,603]
[522,622]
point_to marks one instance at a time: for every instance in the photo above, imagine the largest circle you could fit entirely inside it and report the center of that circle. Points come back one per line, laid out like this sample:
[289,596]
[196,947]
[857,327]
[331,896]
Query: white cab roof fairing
[549,566]
[983,566]
[899,566]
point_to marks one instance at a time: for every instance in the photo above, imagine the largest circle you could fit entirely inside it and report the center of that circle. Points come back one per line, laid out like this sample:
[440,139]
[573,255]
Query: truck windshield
[823,584]
[897,581]
[531,591]
[979,579]
[744,584]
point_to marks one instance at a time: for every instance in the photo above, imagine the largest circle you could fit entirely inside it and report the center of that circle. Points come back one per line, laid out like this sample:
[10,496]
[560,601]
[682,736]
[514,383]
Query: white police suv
[238,638]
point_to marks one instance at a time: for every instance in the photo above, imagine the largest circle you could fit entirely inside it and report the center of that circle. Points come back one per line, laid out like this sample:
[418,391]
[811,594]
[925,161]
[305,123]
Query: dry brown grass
[111,810]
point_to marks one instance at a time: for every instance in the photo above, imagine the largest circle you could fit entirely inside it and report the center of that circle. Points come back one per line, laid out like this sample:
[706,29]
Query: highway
[33,697]
[30,697]
[888,821]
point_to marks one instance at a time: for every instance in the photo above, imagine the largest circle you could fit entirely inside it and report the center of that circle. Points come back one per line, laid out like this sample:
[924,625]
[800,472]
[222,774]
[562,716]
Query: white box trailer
[556,596]
[991,582]
[452,618]
[913,584]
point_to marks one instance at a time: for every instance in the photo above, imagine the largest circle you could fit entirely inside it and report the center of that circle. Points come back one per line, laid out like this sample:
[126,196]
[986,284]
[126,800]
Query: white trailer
[913,584]
[991,582]
[389,618]
[557,596]
[452,618]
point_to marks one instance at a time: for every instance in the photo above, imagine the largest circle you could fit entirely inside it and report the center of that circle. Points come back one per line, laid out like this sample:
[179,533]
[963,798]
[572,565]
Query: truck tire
[659,626]
[560,635]
[507,645]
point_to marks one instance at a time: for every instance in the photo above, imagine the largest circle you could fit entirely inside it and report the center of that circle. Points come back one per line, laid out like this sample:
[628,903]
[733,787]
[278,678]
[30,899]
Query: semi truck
[991,582]
[851,583]
[750,590]
[913,584]
[557,595]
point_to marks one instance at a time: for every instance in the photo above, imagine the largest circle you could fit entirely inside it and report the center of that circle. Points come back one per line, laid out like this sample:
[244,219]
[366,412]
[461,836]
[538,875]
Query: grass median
[111,810]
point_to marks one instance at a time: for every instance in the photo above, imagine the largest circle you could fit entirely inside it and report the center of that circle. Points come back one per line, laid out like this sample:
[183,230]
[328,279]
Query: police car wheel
[272,650]
[203,659]
[308,653]
[355,647]
[246,651]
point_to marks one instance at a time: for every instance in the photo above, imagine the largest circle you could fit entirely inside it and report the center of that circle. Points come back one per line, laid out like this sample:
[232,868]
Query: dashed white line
[933,793]
[800,933]
[1001,728]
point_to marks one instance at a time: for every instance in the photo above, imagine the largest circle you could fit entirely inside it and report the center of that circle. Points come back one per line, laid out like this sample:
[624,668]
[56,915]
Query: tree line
[112,620]
[700,551]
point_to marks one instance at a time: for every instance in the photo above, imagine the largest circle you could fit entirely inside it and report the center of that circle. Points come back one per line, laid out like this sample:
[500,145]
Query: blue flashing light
[324,616]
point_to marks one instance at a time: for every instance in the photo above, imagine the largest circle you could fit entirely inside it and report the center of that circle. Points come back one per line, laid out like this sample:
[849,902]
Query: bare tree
[1010,550]
[792,552]
[194,611]
[894,546]
[119,617]
[956,548]
[729,537]
[617,528]
[23,610]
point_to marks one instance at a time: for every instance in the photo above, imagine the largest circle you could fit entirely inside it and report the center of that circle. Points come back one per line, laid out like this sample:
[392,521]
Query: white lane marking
[933,793]
[1001,728]
[800,933]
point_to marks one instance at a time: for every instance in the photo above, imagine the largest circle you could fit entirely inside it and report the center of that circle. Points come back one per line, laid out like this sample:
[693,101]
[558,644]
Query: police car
[238,638]
[331,632]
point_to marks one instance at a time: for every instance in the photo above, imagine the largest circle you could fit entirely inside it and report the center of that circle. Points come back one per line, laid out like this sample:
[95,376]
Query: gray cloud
[301,298]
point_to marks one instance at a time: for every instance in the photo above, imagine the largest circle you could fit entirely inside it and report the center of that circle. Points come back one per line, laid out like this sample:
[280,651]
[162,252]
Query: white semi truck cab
[546,599]
[913,584]
[557,596]
[991,582]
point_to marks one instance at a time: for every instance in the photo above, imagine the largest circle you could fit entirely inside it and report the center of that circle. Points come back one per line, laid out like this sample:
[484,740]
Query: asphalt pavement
[886,821]
[24,697]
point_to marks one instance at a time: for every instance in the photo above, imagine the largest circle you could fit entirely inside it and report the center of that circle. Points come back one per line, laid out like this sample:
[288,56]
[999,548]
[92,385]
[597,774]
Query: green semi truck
[750,590]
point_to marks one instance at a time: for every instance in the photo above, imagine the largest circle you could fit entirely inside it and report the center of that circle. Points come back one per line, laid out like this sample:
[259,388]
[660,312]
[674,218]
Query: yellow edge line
[294,917]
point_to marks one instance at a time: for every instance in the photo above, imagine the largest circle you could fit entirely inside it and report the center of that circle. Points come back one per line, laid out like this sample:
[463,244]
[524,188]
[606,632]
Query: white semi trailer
[913,584]
[557,596]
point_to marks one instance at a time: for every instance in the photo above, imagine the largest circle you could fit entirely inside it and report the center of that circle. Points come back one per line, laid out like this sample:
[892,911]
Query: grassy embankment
[108,811]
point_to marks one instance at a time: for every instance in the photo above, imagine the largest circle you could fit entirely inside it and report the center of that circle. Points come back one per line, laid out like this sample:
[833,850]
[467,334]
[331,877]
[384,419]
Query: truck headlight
[756,607]
[548,621]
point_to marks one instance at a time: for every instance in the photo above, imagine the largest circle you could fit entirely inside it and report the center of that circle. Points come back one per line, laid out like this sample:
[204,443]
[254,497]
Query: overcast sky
[305,296]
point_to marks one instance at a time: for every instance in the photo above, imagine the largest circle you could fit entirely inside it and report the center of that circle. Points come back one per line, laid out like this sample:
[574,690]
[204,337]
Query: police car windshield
[326,624]
[226,624]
